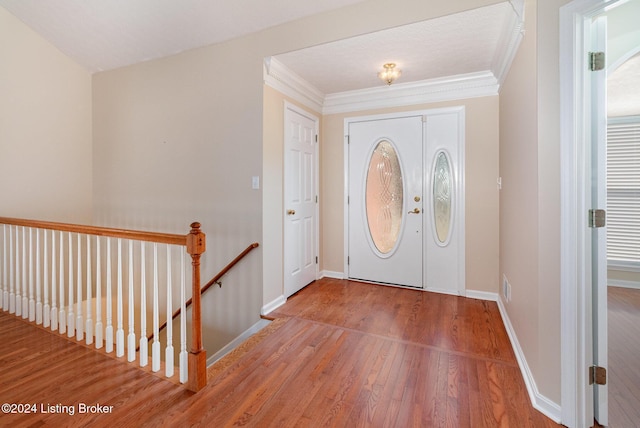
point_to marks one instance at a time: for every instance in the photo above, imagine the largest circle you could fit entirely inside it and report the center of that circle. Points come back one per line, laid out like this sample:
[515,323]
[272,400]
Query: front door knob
[291,212]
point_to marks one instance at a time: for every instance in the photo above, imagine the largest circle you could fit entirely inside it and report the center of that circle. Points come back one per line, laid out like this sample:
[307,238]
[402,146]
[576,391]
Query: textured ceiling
[106,34]
[457,44]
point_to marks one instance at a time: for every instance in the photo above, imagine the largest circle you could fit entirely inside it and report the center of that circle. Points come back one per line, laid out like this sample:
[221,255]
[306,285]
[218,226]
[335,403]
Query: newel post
[196,245]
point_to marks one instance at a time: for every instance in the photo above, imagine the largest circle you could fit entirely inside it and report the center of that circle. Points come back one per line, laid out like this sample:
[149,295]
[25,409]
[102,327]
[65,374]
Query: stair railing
[214,280]
[42,263]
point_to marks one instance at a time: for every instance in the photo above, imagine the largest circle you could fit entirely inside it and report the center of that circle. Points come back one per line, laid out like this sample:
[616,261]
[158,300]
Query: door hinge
[316,138]
[316,199]
[597,218]
[348,260]
[316,259]
[348,139]
[596,61]
[597,375]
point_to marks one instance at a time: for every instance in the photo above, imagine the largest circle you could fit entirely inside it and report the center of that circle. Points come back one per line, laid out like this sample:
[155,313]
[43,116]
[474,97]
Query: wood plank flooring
[624,349]
[340,354]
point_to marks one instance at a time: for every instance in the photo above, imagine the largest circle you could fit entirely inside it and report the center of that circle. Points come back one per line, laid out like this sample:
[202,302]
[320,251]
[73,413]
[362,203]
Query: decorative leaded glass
[384,197]
[442,196]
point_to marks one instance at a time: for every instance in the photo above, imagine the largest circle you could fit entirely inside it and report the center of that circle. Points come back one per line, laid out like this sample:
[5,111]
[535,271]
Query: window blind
[623,192]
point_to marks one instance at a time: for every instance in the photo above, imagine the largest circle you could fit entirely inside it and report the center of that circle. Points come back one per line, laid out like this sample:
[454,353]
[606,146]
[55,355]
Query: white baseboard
[482,295]
[331,274]
[274,304]
[622,283]
[541,403]
[237,341]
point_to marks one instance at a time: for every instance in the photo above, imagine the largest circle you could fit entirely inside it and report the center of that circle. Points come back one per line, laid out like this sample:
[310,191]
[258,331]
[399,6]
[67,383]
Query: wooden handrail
[195,243]
[214,280]
[137,235]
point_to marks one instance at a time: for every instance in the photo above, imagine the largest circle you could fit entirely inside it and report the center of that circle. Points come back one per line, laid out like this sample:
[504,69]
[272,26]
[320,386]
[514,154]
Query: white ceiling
[107,34]
[103,35]
[467,42]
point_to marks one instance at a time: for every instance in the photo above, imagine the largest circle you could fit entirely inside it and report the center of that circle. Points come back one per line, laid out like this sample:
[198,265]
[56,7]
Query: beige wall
[273,191]
[45,129]
[174,142]
[481,194]
[530,199]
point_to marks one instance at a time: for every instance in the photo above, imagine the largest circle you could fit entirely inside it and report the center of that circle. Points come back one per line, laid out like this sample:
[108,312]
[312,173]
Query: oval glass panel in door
[384,197]
[442,196]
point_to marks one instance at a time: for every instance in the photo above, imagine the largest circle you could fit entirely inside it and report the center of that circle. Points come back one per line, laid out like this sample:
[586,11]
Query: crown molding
[472,85]
[283,79]
[479,84]
[512,34]
[423,92]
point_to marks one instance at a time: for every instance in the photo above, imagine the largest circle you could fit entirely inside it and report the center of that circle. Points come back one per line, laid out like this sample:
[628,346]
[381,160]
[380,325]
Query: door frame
[294,108]
[576,326]
[459,213]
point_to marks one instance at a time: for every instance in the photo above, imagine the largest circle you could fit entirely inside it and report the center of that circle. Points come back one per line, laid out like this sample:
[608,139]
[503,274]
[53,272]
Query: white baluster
[38,307]
[99,335]
[184,362]
[131,337]
[62,314]
[71,316]
[5,267]
[79,317]
[120,330]
[5,271]
[3,282]
[89,321]
[18,280]
[168,353]
[108,332]
[25,280]
[32,301]
[18,295]
[144,342]
[155,347]
[12,274]
[46,310]
[54,283]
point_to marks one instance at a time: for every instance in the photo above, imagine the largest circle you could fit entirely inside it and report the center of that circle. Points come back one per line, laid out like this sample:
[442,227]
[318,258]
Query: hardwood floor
[624,349]
[338,354]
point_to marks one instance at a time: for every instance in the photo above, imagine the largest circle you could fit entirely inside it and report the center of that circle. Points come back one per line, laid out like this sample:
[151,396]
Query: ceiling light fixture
[390,73]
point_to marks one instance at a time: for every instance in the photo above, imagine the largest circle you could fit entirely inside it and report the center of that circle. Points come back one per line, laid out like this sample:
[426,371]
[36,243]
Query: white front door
[300,192]
[405,199]
[386,201]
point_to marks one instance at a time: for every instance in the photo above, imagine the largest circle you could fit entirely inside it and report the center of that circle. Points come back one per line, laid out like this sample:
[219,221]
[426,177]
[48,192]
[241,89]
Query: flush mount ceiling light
[390,73]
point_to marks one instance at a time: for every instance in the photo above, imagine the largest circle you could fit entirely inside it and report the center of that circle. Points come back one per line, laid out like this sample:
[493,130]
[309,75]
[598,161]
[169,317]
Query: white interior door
[599,201]
[300,204]
[385,201]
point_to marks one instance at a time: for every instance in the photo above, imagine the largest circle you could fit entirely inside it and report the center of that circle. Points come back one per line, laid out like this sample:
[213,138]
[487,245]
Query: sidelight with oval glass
[384,197]
[442,196]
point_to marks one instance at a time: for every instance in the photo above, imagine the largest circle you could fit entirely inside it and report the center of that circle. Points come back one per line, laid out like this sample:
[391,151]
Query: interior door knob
[291,212]
[415,211]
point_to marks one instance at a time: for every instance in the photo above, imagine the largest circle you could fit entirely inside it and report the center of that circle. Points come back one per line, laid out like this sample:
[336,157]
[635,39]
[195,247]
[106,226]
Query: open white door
[598,77]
